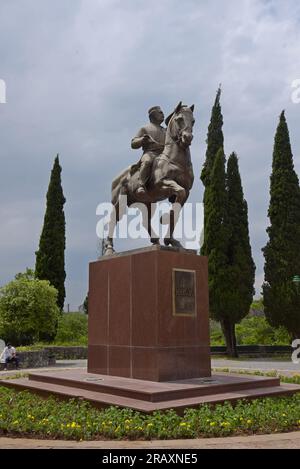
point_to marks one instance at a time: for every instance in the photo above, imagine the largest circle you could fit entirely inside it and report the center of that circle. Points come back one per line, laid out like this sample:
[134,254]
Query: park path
[286,367]
[277,441]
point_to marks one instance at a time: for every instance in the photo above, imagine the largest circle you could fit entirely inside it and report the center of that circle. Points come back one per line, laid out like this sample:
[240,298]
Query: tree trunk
[230,339]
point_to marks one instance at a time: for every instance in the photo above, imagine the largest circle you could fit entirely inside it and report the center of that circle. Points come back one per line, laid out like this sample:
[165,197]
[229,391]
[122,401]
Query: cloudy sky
[80,76]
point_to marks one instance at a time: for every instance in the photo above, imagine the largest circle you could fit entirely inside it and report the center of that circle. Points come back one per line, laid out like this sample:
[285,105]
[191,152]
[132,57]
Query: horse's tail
[119,184]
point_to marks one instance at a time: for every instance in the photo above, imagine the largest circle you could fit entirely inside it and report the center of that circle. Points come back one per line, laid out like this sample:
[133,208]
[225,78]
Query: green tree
[216,239]
[282,252]
[255,330]
[72,329]
[238,292]
[86,304]
[215,139]
[28,309]
[50,257]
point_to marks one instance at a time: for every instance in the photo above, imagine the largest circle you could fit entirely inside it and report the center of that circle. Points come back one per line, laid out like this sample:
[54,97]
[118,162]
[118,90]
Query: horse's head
[180,124]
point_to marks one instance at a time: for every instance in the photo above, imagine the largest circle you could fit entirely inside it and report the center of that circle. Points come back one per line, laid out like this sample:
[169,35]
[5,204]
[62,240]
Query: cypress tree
[50,257]
[238,293]
[226,234]
[282,251]
[215,139]
[216,237]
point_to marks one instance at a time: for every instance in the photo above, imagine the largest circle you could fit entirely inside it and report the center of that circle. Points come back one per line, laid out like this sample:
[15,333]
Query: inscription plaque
[184,292]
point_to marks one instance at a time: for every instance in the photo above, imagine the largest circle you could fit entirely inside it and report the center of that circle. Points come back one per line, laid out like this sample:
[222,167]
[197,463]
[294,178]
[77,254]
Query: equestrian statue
[164,171]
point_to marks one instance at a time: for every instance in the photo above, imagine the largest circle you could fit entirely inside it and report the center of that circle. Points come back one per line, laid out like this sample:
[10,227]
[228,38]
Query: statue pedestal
[148,315]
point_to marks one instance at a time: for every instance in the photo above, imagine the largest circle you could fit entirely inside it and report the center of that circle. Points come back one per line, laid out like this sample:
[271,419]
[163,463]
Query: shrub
[28,309]
[252,330]
[216,334]
[72,329]
[256,330]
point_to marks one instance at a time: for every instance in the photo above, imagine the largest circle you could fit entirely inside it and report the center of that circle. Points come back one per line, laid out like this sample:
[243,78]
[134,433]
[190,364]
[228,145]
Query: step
[105,399]
[154,391]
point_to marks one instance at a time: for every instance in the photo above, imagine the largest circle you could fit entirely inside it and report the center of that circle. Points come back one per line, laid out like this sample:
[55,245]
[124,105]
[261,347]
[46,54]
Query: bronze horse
[171,178]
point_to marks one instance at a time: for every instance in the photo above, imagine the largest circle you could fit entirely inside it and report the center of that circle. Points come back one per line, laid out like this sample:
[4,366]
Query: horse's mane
[167,120]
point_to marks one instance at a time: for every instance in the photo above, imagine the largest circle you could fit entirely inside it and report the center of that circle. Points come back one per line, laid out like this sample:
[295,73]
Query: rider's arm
[138,140]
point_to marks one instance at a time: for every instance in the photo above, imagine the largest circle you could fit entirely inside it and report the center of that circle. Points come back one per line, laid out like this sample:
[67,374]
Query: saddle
[135,167]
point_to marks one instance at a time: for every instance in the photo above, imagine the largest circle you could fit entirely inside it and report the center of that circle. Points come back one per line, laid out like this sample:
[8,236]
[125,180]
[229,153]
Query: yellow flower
[73,425]
[183,424]
[249,421]
[212,424]
[150,425]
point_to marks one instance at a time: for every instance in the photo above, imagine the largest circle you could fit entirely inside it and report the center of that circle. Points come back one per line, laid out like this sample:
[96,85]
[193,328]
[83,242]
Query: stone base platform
[147,396]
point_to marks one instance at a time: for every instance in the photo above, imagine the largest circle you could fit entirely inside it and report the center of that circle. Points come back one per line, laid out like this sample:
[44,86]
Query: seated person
[9,355]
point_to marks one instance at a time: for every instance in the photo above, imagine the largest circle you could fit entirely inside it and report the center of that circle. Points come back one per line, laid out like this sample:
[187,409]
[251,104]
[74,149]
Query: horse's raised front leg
[172,188]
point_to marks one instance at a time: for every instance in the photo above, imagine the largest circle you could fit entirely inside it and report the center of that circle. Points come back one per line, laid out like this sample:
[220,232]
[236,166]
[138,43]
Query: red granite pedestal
[148,315]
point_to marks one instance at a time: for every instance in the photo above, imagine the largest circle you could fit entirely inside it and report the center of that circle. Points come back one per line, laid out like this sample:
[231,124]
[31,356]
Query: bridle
[175,138]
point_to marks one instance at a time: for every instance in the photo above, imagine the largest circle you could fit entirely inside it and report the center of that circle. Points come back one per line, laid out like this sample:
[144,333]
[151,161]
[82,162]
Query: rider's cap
[153,108]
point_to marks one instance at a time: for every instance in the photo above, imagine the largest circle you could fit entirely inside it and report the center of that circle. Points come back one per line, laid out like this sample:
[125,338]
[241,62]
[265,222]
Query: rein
[177,138]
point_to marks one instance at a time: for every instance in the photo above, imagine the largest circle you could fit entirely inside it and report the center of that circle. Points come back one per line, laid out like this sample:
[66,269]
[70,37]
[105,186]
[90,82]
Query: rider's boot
[141,189]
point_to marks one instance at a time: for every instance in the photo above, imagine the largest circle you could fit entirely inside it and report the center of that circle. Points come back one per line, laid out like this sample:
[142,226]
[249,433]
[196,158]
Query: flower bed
[26,414]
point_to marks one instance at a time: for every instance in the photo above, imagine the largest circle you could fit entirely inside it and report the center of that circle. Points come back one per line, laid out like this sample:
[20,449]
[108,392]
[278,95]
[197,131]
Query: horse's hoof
[173,242]
[109,250]
[155,241]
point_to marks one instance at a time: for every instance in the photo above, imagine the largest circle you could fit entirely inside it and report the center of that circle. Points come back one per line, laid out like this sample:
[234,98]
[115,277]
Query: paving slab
[275,441]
